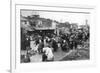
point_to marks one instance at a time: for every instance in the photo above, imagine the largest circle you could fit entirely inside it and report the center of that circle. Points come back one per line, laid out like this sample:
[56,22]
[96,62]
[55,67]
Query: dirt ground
[38,57]
[76,54]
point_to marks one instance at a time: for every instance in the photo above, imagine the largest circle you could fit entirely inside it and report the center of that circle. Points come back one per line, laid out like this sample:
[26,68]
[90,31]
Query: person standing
[47,54]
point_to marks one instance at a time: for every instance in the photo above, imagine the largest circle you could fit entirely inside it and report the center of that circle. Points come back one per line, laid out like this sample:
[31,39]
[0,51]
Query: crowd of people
[47,44]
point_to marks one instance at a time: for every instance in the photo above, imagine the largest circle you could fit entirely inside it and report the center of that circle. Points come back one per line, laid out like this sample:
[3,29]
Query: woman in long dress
[33,46]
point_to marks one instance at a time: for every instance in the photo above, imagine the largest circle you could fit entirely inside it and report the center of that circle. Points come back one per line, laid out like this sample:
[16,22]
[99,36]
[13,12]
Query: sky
[79,18]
